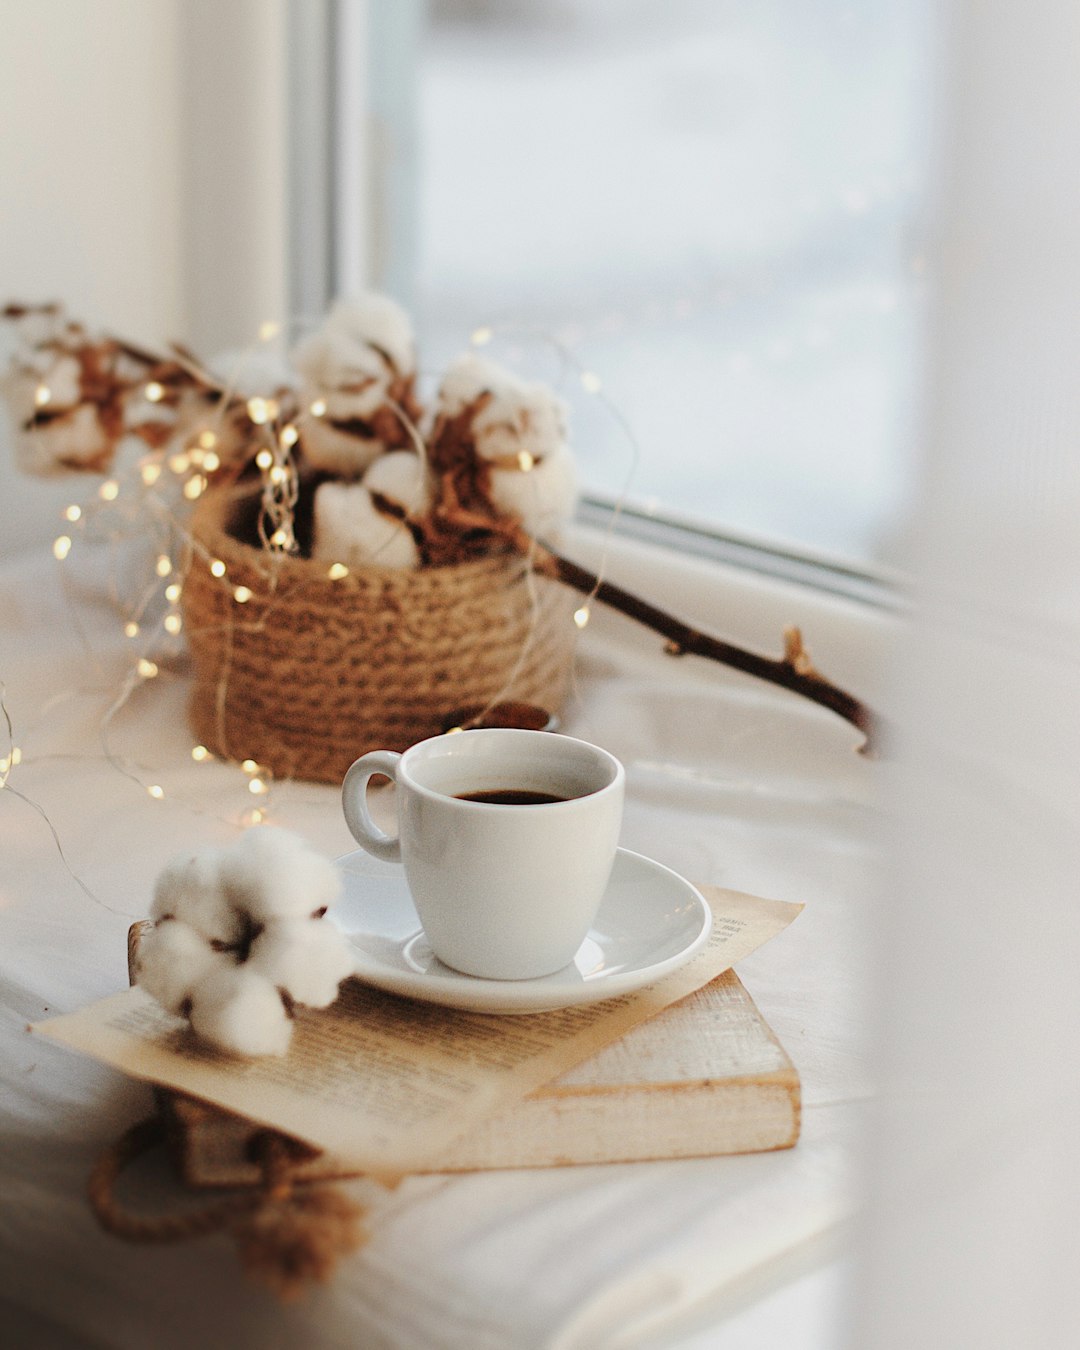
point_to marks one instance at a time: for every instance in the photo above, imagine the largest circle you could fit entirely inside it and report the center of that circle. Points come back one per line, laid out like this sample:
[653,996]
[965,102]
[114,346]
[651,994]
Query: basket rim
[210,532]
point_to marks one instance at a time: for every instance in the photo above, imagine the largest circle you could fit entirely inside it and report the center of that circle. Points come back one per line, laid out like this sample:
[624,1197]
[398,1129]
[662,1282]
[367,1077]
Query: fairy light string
[275,435]
[211,441]
[592,385]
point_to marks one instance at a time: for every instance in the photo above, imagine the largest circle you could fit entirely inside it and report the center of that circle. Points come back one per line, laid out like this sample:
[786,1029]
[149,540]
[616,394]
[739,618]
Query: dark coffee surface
[510,797]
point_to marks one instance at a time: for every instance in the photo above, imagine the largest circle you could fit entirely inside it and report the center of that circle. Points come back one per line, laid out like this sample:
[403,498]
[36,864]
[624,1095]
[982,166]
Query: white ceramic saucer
[651,921]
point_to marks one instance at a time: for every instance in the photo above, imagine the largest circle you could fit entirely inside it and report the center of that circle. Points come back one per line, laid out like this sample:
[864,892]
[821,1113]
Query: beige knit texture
[310,673]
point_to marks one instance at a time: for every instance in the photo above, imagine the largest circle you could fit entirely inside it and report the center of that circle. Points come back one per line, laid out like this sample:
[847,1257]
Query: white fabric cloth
[728,782]
[976,1171]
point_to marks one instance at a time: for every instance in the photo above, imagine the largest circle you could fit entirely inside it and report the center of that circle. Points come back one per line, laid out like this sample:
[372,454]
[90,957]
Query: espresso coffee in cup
[510,797]
[507,837]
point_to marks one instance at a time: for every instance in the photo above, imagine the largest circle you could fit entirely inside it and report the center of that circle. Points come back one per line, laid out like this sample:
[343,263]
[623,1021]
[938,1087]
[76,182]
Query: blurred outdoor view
[716,207]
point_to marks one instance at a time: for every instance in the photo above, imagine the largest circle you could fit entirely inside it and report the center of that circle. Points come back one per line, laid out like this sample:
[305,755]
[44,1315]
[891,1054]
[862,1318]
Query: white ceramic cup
[505,892]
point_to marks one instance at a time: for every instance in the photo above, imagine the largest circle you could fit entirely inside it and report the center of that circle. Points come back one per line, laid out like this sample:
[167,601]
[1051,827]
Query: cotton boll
[466,379]
[351,376]
[241,1011]
[191,887]
[379,321]
[173,958]
[360,365]
[334,450]
[63,379]
[271,873]
[520,419]
[401,477]
[518,415]
[542,498]
[75,440]
[307,957]
[350,529]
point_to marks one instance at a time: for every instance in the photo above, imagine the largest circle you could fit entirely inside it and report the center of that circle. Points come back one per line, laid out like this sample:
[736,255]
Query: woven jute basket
[307,673]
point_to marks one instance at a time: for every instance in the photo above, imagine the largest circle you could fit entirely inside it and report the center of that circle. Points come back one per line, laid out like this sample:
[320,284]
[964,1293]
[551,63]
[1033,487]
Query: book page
[387,1082]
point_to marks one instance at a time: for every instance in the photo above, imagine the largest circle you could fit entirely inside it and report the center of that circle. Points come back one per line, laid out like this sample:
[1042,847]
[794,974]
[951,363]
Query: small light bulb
[73,513]
[61,547]
[173,623]
[195,487]
[211,461]
[172,593]
[217,568]
[279,474]
[163,566]
[242,595]
[42,394]
[109,490]
[131,629]
[250,766]
[264,459]
[262,410]
[180,463]
[146,669]
[482,336]
[289,435]
[150,473]
[258,787]
[337,571]
[525,461]
[279,538]
[590,382]
[154,392]
[207,439]
[156,791]
[318,408]
[200,754]
[581,616]
[255,816]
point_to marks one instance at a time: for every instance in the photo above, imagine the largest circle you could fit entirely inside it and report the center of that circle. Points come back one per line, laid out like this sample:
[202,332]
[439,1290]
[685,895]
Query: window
[713,207]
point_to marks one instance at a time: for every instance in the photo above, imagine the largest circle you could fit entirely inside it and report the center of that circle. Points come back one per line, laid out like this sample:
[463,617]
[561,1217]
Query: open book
[704,1076]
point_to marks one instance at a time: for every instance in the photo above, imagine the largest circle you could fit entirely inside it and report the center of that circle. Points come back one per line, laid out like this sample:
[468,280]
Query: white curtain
[973,1237]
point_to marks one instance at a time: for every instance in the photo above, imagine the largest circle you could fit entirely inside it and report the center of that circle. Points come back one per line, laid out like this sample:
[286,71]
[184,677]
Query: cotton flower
[54,430]
[191,888]
[305,957]
[64,396]
[400,478]
[519,436]
[240,938]
[62,376]
[54,441]
[359,369]
[350,529]
[271,873]
[380,322]
[239,1010]
[173,959]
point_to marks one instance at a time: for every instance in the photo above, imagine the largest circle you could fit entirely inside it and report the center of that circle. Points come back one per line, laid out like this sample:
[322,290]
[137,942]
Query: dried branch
[793,671]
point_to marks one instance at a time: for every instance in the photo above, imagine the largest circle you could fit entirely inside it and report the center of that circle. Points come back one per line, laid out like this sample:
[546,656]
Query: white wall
[142,180]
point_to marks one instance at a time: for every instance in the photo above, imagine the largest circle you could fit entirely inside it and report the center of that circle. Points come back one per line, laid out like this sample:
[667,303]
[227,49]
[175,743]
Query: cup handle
[354,803]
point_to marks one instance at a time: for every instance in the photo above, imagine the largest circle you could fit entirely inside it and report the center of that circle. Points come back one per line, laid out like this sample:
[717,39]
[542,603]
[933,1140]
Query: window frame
[353,164]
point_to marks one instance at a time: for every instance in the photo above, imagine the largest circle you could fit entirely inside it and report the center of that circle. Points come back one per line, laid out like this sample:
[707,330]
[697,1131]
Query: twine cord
[286,1236]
